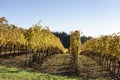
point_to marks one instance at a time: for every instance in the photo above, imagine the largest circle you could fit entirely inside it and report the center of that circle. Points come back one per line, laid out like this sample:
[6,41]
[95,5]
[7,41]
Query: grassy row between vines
[19,74]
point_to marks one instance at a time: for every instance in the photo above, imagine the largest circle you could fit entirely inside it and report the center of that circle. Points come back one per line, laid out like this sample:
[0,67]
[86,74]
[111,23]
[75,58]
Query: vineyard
[37,41]
[106,51]
[38,48]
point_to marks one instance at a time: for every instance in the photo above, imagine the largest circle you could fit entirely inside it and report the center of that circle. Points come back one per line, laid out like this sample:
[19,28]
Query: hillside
[54,67]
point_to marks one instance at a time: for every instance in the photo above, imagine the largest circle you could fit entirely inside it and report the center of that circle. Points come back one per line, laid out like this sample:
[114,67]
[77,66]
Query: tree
[3,20]
[75,48]
[75,43]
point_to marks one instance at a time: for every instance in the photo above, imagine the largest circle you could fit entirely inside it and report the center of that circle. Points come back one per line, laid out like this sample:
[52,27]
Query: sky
[91,17]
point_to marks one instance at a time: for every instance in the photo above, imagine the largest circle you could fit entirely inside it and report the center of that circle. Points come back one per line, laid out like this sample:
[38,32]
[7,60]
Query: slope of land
[90,69]
[57,65]
[87,68]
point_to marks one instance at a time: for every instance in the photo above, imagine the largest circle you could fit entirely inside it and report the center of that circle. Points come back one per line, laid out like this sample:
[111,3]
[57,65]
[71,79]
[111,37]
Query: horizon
[92,18]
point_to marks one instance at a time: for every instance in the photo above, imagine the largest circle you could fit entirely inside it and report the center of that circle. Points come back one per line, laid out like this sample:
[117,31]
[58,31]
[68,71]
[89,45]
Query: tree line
[65,38]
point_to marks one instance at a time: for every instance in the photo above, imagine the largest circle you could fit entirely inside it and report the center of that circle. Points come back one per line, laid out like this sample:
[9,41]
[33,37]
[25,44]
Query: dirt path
[87,68]
[90,69]
[56,64]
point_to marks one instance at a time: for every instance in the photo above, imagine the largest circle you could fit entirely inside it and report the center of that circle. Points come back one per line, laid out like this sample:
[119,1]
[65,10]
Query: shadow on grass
[16,71]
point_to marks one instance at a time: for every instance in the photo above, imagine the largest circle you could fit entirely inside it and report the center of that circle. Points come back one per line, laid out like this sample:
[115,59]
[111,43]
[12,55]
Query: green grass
[18,74]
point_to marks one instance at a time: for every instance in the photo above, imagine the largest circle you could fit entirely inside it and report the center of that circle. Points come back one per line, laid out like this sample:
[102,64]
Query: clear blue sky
[92,17]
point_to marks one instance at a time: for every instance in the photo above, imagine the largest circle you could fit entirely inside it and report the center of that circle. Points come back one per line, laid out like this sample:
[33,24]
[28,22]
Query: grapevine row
[105,50]
[36,40]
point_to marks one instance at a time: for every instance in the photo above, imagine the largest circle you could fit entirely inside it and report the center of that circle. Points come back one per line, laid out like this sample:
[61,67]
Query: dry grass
[58,64]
